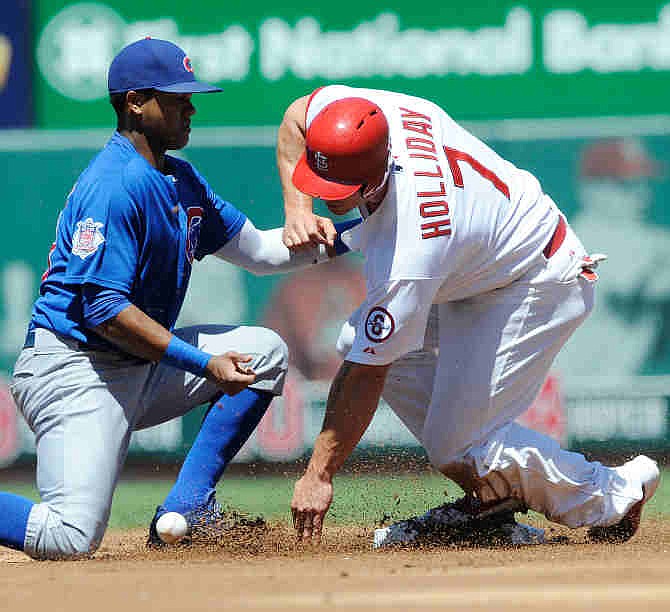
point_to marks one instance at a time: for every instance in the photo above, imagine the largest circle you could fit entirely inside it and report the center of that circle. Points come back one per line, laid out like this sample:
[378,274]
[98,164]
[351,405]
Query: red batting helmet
[346,146]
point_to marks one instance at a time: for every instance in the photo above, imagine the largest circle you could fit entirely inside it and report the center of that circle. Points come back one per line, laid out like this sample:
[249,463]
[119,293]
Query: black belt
[82,346]
[30,339]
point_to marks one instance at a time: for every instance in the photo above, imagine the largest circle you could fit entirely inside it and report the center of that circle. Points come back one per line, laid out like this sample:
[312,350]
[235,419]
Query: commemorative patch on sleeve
[87,238]
[379,325]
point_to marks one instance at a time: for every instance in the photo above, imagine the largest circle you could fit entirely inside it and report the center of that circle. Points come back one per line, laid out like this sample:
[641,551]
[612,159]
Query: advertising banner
[16,109]
[494,60]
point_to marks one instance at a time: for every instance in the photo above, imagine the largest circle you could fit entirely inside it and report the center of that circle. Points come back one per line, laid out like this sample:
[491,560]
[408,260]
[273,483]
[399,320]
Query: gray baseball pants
[83,406]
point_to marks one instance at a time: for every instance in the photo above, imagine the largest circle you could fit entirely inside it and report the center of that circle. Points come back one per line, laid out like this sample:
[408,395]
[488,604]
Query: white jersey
[458,220]
[457,277]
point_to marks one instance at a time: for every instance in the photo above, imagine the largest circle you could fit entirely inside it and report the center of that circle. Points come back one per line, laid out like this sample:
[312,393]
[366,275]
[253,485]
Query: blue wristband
[343,226]
[185,356]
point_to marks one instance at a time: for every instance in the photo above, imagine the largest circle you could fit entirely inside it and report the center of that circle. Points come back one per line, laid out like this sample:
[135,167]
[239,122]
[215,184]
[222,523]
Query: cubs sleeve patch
[87,238]
[379,325]
[194,214]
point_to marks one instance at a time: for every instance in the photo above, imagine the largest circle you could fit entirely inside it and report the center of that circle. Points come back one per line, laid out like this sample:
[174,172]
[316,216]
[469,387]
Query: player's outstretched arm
[352,402]
[263,252]
[302,228]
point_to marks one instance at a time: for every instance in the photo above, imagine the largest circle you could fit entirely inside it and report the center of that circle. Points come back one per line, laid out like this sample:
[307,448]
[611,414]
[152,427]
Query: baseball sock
[14,511]
[226,427]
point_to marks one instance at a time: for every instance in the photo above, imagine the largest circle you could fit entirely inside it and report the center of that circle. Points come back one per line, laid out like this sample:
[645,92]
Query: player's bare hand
[304,229]
[230,372]
[312,497]
[327,230]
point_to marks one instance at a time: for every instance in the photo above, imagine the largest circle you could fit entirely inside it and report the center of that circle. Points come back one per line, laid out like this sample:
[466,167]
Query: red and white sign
[9,428]
[280,435]
[547,413]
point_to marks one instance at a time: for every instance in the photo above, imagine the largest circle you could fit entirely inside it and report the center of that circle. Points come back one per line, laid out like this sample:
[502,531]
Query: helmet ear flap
[372,190]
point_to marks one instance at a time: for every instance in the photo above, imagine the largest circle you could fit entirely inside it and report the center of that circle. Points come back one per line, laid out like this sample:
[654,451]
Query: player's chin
[180,141]
[338,207]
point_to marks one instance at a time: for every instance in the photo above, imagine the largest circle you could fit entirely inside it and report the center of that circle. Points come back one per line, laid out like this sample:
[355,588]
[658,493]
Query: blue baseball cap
[157,64]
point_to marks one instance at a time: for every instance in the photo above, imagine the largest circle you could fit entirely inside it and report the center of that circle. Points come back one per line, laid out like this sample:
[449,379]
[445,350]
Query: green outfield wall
[506,59]
[609,389]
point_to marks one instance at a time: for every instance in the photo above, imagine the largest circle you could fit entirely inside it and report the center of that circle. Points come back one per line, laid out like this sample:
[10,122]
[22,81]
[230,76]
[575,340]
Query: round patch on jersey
[379,325]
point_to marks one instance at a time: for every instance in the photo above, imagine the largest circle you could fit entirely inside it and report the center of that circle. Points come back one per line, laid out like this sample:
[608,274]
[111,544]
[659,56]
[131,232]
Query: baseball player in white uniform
[474,283]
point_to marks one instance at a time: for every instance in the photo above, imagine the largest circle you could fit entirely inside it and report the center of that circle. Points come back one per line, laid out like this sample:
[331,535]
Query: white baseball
[171,527]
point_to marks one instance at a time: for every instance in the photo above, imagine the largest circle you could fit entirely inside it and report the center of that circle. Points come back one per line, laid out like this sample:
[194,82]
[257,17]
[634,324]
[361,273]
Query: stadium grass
[359,499]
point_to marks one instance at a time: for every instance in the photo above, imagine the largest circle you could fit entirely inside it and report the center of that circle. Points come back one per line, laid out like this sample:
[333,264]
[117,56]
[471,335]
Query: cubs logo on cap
[157,64]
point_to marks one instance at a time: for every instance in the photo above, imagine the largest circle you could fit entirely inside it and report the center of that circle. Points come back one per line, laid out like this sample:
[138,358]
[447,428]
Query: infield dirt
[344,573]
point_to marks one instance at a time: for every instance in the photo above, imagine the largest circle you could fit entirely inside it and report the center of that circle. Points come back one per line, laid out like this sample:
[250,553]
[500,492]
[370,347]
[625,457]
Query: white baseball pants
[483,363]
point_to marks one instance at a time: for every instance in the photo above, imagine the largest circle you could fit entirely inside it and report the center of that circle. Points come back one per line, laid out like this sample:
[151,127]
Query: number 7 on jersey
[455,156]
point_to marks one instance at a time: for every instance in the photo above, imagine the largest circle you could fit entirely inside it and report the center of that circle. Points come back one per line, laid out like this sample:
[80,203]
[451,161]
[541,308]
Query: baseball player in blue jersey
[101,358]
